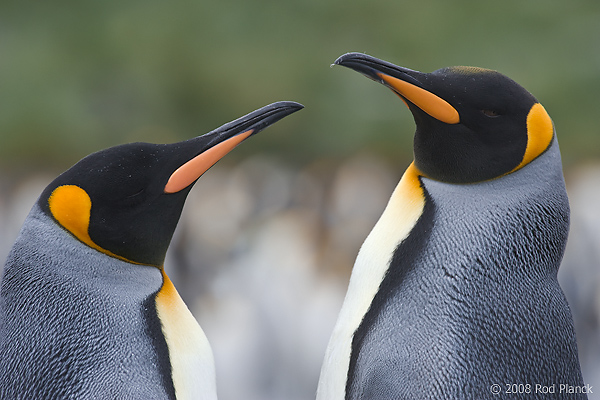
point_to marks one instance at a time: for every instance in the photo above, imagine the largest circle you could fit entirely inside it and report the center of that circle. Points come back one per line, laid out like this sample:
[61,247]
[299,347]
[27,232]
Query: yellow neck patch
[71,206]
[192,362]
[540,132]
[400,216]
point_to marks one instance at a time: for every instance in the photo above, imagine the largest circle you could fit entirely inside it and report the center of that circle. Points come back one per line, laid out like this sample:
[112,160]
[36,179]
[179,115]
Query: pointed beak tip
[338,61]
[341,60]
[296,106]
[290,106]
[279,111]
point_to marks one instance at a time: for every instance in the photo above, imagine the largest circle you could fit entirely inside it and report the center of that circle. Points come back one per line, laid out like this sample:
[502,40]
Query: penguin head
[472,124]
[125,201]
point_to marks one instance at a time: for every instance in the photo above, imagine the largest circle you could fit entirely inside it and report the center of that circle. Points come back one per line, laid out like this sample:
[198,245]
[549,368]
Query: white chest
[399,217]
[192,362]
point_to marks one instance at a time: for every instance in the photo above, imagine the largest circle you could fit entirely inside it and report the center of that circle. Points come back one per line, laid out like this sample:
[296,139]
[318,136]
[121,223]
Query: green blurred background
[80,76]
[76,77]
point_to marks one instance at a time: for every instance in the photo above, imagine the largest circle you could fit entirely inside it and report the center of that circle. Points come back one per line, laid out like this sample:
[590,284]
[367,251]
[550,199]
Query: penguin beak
[224,139]
[408,84]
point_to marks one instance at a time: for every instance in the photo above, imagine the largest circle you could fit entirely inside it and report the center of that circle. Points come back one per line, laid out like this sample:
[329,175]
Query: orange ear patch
[540,132]
[71,206]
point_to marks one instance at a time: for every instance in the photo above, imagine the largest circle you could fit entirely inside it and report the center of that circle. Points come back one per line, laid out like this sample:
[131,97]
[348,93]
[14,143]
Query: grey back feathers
[471,297]
[90,302]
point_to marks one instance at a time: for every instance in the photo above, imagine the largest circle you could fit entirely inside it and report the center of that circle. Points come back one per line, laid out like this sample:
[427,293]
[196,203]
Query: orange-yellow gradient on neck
[399,217]
[168,295]
[192,363]
[540,132]
[71,206]
[185,175]
[433,105]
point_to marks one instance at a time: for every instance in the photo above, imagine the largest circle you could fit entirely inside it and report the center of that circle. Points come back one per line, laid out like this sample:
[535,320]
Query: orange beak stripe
[193,169]
[433,105]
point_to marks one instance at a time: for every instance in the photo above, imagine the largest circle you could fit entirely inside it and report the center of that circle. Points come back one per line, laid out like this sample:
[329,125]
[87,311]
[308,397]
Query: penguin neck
[488,266]
[398,219]
[165,345]
[86,312]
[190,354]
[57,255]
[472,283]
[436,255]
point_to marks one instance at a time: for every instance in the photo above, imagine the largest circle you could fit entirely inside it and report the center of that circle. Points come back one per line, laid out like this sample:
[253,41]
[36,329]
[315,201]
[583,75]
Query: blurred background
[268,237]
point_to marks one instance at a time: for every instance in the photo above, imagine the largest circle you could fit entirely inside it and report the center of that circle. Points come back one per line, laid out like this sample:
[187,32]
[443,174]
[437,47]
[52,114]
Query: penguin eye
[490,113]
[135,194]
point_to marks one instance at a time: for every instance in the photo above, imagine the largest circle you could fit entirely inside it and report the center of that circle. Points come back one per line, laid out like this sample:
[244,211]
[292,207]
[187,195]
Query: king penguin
[454,293]
[86,309]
